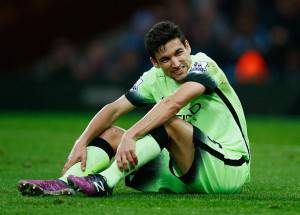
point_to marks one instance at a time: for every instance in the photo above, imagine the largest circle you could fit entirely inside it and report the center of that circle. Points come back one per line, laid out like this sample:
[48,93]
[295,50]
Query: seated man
[193,140]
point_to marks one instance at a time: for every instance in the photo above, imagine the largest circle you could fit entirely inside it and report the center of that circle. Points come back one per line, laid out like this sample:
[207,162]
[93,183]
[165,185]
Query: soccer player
[193,140]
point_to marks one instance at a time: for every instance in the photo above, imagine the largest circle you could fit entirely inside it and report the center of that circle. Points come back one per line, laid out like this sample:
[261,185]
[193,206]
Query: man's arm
[166,109]
[158,115]
[100,122]
[105,118]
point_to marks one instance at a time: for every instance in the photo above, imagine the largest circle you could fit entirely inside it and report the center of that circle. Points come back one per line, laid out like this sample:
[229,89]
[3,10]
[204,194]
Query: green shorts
[211,172]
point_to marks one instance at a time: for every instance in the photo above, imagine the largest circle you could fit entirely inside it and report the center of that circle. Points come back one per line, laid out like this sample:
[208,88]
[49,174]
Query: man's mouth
[179,70]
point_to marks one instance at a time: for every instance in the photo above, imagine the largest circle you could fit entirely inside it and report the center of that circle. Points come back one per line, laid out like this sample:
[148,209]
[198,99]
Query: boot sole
[28,189]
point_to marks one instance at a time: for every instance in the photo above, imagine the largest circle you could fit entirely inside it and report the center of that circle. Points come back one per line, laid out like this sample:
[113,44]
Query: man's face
[174,58]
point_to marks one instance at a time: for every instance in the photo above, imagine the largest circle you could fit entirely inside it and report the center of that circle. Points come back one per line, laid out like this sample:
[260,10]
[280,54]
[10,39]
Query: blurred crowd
[253,42]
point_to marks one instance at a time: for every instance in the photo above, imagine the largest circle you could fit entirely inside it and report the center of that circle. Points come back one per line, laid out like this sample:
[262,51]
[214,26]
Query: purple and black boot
[44,187]
[91,185]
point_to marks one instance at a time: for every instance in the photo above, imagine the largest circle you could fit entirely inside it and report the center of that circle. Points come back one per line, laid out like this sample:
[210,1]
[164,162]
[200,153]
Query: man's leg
[181,147]
[156,175]
[99,153]
[147,148]
[201,163]
[189,148]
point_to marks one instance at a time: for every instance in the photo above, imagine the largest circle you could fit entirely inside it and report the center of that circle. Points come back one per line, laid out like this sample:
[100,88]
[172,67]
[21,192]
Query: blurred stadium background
[63,55]
[60,61]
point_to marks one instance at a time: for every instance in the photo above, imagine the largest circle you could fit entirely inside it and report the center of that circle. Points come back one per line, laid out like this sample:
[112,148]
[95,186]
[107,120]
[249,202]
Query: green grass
[35,145]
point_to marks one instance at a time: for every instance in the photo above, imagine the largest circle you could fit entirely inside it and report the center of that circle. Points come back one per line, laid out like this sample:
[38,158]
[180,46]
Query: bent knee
[112,134]
[179,129]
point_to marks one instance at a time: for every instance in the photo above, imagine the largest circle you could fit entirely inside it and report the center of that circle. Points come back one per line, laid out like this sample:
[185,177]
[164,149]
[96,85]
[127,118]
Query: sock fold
[103,144]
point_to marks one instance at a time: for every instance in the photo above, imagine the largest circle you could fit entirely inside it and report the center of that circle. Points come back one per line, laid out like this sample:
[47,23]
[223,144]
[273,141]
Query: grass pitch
[35,145]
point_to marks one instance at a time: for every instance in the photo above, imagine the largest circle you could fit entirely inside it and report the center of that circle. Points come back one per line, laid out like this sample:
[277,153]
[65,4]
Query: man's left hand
[126,153]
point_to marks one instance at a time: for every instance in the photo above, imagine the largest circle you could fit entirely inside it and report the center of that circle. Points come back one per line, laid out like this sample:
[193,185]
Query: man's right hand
[78,154]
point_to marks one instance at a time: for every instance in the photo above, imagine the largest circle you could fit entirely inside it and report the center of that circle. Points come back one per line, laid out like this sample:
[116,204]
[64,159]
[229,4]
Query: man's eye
[179,52]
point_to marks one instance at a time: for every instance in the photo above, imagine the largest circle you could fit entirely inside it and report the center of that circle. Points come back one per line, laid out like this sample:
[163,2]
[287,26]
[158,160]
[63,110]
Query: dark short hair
[160,34]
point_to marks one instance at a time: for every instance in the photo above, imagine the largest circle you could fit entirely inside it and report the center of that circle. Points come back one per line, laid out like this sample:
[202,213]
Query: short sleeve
[200,72]
[140,94]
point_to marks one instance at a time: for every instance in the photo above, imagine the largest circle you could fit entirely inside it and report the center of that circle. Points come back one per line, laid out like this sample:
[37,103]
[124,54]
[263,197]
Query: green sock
[97,160]
[146,150]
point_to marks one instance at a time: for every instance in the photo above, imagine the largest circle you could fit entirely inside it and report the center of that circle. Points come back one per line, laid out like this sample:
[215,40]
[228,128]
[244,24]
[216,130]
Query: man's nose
[175,62]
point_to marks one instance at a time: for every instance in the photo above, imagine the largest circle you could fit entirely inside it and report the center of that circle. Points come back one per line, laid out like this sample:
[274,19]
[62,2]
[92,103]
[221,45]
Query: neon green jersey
[217,113]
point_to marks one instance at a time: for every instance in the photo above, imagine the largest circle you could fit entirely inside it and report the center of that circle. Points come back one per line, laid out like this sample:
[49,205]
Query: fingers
[77,154]
[120,165]
[125,157]
[131,158]
[83,162]
[122,162]
[126,160]
[134,157]
[67,165]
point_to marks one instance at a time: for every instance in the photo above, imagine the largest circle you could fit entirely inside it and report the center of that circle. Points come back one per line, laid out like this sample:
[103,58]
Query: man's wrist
[131,135]
[81,141]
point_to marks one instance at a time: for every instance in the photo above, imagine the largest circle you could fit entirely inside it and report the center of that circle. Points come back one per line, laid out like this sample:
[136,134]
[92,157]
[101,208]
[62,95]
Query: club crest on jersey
[199,67]
[137,84]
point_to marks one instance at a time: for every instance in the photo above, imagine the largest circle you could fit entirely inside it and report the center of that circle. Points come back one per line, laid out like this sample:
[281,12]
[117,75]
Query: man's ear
[154,62]
[187,46]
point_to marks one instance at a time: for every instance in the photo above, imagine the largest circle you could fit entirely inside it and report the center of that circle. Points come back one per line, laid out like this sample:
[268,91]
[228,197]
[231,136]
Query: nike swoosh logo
[99,186]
